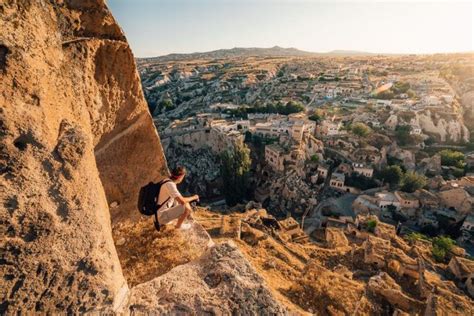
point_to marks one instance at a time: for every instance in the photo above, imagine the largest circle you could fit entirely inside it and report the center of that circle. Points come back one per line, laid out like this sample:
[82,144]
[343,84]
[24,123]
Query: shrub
[360,129]
[452,158]
[412,181]
[442,245]
[413,236]
[371,224]
[392,175]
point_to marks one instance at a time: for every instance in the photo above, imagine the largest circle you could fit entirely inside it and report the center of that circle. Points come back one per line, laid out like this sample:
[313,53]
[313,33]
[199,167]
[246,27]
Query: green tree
[442,245]
[235,169]
[392,175]
[452,158]
[402,133]
[412,181]
[293,107]
[314,158]
[360,129]
[371,224]
[166,104]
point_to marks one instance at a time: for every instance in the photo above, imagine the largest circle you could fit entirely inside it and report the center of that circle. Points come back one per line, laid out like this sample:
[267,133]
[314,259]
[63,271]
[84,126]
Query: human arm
[183,200]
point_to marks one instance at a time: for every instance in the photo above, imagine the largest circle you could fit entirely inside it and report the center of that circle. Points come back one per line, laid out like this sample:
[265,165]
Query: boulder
[221,282]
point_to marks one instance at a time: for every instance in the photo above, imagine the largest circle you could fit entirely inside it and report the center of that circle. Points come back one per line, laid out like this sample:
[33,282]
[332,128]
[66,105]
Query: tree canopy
[412,181]
[452,158]
[360,129]
[441,247]
[235,169]
[392,175]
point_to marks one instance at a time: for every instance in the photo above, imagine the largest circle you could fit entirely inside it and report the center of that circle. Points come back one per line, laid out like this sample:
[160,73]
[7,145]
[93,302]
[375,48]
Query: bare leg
[187,212]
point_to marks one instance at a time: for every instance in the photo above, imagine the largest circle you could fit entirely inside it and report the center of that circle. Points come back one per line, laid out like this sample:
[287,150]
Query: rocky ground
[336,274]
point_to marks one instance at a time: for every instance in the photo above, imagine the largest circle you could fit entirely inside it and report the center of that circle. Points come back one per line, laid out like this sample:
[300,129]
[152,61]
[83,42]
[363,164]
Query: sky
[159,27]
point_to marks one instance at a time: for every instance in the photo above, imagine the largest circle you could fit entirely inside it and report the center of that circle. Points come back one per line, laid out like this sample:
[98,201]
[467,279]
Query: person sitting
[175,206]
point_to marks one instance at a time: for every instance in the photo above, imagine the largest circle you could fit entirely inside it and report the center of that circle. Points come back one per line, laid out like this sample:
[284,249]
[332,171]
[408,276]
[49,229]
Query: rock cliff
[76,136]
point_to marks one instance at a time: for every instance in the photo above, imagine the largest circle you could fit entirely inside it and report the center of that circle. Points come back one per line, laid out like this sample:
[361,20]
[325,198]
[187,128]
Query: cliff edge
[76,135]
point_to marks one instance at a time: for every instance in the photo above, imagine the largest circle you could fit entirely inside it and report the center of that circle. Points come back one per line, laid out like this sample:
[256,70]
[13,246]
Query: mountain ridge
[275,51]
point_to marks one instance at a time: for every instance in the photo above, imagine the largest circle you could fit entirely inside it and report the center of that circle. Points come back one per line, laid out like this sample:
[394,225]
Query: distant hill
[251,51]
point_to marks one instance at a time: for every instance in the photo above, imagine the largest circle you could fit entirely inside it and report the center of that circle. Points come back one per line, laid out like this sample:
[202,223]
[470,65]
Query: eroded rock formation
[76,136]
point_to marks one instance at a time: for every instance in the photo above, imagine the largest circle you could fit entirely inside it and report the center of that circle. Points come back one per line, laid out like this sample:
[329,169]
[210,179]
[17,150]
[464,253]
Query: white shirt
[168,190]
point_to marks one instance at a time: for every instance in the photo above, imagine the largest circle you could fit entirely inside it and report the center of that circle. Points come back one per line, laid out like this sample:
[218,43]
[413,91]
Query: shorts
[169,214]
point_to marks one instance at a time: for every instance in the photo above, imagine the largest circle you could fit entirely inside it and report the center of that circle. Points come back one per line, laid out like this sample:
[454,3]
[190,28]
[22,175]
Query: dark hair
[178,172]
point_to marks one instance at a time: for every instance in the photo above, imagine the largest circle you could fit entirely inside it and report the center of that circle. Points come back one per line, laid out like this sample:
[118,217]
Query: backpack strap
[155,218]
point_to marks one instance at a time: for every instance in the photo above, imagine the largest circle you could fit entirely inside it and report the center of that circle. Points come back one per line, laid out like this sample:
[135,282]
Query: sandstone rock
[75,132]
[336,238]
[221,282]
[383,285]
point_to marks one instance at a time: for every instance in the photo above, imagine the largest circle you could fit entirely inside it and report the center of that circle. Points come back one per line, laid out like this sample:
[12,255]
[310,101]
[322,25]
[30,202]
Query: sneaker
[185,226]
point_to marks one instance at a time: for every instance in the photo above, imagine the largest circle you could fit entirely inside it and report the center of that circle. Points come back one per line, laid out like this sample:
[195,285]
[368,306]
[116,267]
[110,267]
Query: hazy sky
[158,27]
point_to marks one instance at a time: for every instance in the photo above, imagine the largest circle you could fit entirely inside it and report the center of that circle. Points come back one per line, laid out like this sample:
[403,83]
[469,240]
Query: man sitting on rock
[175,205]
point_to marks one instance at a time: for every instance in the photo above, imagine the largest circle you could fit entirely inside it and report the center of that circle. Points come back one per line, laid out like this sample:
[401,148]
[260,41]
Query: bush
[452,158]
[314,158]
[315,117]
[392,175]
[441,247]
[360,129]
[438,254]
[412,181]
[413,236]
[402,133]
[371,224]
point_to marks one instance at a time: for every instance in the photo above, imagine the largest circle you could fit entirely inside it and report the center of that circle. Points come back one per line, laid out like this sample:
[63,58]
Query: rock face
[447,126]
[198,288]
[75,136]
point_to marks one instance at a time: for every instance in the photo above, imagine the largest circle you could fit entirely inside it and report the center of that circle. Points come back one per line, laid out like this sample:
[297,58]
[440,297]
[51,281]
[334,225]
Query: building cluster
[316,162]
[451,201]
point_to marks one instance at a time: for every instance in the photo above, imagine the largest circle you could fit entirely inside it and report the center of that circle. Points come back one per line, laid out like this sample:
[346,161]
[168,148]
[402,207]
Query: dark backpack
[148,200]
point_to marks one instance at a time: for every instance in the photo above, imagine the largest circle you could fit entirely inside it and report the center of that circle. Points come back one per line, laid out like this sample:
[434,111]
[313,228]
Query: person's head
[177,174]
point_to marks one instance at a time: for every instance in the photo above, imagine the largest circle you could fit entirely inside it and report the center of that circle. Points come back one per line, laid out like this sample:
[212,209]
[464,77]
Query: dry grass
[145,253]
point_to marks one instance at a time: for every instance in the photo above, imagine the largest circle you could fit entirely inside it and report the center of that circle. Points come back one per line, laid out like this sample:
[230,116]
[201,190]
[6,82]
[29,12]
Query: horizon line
[361,52]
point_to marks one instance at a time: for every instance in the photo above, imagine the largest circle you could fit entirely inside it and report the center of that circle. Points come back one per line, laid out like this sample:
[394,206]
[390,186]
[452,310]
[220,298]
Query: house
[407,200]
[467,229]
[368,154]
[344,168]
[323,170]
[384,199]
[297,130]
[329,128]
[363,170]
[468,224]
[274,156]
[415,130]
[463,271]
[337,180]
